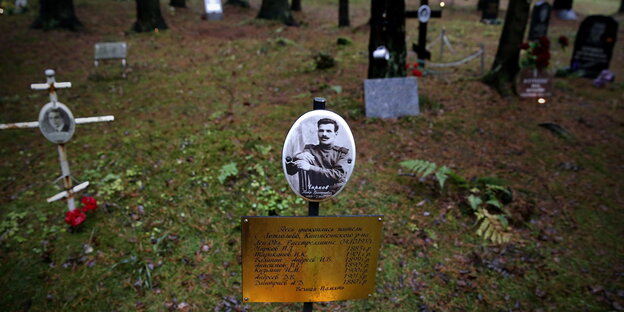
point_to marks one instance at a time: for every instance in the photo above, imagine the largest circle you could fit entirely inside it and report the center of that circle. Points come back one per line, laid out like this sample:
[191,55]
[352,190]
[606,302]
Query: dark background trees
[149,17]
[56,14]
[387,28]
[505,66]
[276,10]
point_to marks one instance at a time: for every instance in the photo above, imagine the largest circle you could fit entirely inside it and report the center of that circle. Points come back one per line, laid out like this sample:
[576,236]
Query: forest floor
[203,95]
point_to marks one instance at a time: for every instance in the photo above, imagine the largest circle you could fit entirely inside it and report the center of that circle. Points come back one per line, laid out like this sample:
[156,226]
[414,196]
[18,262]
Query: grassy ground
[203,95]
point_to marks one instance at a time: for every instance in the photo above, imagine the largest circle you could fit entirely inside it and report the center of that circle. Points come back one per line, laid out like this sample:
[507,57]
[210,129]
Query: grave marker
[311,259]
[423,14]
[534,84]
[593,46]
[111,51]
[391,97]
[213,10]
[540,18]
[57,124]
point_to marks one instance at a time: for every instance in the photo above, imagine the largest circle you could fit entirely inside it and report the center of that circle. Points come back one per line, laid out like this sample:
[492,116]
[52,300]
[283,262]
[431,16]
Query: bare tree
[505,67]
[149,17]
[276,10]
[387,28]
[56,14]
[343,13]
[295,5]
[240,3]
[178,3]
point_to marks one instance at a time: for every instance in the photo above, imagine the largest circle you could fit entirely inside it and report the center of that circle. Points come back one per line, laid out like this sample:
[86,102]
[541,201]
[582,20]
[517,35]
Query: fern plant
[486,196]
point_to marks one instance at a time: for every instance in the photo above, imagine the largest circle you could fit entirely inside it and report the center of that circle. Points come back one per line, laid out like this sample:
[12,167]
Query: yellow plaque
[309,259]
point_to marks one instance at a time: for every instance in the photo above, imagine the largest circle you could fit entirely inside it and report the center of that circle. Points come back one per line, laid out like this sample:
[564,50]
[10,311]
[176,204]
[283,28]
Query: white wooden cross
[61,135]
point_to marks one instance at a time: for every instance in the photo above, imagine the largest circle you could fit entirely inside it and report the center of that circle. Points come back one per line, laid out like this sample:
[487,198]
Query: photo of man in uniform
[322,168]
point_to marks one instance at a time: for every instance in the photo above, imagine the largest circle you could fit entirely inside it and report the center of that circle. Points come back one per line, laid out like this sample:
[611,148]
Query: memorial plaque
[56,122]
[213,10]
[391,97]
[539,20]
[111,50]
[534,84]
[318,155]
[593,46]
[309,259]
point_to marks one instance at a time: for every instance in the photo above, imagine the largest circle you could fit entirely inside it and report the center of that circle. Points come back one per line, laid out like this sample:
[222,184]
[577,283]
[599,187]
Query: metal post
[482,58]
[66,175]
[442,36]
[313,207]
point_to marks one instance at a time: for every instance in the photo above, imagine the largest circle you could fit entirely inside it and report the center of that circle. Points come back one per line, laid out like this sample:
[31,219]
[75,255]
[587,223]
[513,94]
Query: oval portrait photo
[318,155]
[56,123]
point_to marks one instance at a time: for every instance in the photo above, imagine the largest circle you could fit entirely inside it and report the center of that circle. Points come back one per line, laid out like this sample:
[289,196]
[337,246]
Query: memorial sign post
[312,258]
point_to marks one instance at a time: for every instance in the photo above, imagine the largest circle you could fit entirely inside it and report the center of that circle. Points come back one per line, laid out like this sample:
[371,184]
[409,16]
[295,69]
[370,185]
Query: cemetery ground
[196,144]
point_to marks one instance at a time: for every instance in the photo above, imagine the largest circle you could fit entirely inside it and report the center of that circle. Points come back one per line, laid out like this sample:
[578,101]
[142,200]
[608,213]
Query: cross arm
[19,125]
[70,193]
[46,86]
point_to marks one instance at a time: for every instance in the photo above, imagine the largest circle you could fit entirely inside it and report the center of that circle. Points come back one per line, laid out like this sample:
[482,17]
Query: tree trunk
[562,5]
[149,17]
[276,10]
[389,32]
[56,14]
[343,13]
[178,3]
[295,5]
[505,67]
[240,3]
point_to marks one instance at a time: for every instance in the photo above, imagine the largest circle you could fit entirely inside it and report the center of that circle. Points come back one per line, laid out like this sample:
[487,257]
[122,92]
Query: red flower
[544,42]
[75,217]
[89,203]
[524,46]
[406,66]
[416,72]
[563,41]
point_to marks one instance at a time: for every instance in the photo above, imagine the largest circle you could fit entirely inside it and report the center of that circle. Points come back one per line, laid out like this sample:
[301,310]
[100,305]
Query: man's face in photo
[326,134]
[56,120]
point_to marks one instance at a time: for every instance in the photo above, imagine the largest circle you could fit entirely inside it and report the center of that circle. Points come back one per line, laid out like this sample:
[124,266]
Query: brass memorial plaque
[309,259]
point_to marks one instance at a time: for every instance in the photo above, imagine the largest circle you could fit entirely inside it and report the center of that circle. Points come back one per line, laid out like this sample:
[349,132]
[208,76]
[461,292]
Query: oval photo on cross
[318,155]
[56,123]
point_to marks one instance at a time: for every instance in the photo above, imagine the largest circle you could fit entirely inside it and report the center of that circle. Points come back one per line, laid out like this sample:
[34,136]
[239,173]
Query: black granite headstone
[490,10]
[593,47]
[539,20]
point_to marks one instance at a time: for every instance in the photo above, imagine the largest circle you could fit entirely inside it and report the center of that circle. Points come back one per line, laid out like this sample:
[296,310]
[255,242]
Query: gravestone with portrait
[489,14]
[57,124]
[312,258]
[540,18]
[593,46]
[391,97]
[213,10]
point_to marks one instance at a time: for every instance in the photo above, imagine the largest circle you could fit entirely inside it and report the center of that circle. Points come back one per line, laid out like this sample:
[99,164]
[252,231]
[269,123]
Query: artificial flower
[89,203]
[75,217]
